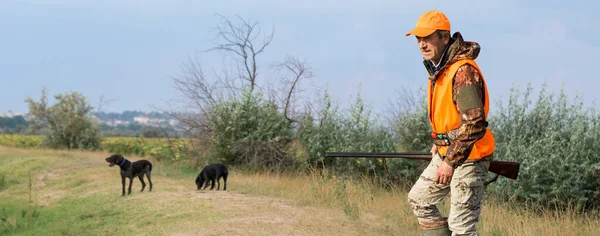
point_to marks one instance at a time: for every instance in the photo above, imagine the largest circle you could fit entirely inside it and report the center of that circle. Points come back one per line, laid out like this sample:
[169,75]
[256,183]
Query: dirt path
[175,207]
[262,215]
[247,214]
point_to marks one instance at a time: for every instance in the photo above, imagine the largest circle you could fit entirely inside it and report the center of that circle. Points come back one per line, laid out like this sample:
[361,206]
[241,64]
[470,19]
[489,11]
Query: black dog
[211,173]
[131,170]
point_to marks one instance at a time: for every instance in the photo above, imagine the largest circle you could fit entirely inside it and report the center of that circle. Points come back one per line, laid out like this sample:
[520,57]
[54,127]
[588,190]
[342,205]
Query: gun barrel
[505,168]
[409,155]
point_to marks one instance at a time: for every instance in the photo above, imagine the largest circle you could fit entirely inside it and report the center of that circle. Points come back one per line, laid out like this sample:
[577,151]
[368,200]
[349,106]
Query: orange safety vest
[443,113]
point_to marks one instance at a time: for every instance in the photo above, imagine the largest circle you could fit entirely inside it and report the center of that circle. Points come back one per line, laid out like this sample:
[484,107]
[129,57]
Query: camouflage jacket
[473,124]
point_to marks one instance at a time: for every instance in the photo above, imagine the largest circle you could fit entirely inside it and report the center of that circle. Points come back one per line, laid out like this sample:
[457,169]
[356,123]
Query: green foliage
[161,149]
[412,124]
[152,133]
[67,122]
[355,132]
[555,141]
[250,131]
[22,141]
[15,124]
[319,138]
[2,182]
[412,129]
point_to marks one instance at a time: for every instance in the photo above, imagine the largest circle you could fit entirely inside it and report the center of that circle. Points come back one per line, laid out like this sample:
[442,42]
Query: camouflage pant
[466,190]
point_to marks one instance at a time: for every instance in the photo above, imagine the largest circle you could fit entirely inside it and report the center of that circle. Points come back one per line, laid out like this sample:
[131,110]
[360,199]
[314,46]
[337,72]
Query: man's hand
[433,149]
[444,173]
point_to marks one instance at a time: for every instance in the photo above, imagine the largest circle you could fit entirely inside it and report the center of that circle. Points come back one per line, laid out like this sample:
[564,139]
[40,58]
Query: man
[458,105]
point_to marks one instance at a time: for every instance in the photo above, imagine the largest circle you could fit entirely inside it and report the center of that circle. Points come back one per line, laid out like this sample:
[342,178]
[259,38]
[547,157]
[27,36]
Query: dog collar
[123,162]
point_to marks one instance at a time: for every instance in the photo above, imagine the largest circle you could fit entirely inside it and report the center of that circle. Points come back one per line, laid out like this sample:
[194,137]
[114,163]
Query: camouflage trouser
[466,190]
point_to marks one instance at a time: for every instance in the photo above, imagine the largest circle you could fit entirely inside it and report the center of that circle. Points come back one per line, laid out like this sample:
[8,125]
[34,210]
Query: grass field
[45,192]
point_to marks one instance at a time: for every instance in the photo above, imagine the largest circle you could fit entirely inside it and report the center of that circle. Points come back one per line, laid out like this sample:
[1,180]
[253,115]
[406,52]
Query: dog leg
[218,182]
[212,184]
[149,180]
[224,182]
[141,177]
[206,184]
[123,184]
[130,182]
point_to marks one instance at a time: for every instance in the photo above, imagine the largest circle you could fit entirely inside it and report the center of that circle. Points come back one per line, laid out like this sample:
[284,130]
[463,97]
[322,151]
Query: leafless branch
[239,40]
[194,85]
[102,103]
[406,101]
[293,71]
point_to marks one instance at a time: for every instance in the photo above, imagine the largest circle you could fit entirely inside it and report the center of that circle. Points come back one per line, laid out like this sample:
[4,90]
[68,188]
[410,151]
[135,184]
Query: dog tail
[150,164]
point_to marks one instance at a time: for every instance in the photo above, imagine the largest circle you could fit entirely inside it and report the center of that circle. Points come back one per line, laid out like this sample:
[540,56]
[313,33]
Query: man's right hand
[433,149]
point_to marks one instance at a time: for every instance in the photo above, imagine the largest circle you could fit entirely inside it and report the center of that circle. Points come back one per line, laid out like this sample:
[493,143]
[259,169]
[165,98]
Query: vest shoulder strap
[454,67]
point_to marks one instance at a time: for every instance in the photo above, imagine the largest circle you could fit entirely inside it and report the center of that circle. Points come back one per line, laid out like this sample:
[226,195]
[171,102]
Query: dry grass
[76,193]
[388,212]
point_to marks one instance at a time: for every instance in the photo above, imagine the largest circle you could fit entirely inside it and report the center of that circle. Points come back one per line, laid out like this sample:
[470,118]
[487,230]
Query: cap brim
[421,32]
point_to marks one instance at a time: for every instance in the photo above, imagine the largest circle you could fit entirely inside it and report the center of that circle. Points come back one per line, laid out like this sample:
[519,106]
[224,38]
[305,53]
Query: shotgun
[505,168]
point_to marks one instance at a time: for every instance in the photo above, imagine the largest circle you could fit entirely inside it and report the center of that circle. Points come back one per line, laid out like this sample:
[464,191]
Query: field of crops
[154,147]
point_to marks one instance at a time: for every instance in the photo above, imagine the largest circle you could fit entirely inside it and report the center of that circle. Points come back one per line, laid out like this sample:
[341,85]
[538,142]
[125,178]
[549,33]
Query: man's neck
[436,63]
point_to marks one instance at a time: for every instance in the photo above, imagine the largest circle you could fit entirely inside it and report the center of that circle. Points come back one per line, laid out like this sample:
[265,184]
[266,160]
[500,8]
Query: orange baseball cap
[429,22]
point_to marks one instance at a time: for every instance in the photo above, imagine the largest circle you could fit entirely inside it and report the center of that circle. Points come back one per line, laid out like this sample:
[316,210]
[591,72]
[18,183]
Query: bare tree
[102,103]
[406,101]
[193,84]
[292,72]
[239,40]
[201,91]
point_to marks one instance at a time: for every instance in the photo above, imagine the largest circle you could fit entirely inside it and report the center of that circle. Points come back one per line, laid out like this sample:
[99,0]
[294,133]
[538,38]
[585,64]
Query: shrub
[67,122]
[355,132]
[555,141]
[250,131]
[412,129]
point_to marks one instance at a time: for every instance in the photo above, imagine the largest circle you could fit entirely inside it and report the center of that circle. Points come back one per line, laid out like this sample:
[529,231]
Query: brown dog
[131,170]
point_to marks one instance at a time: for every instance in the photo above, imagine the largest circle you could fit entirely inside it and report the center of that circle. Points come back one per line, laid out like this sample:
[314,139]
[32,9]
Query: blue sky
[127,50]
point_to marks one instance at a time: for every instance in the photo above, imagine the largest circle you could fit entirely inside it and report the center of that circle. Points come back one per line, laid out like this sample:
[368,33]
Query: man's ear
[446,38]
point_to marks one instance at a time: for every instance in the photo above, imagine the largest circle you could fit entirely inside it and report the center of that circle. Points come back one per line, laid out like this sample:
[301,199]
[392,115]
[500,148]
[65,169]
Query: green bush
[555,141]
[412,129]
[355,132]
[250,131]
[67,122]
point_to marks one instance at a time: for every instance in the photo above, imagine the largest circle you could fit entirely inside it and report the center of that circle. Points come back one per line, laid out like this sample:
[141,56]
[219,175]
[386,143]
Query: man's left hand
[444,173]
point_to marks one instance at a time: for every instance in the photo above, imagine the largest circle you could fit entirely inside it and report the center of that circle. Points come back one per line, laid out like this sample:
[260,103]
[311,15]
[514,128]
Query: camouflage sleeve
[469,98]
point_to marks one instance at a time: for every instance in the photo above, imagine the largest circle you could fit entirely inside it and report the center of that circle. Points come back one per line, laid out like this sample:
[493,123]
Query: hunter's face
[432,47]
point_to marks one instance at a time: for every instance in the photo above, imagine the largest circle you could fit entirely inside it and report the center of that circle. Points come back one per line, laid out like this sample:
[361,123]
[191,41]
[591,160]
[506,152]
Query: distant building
[141,119]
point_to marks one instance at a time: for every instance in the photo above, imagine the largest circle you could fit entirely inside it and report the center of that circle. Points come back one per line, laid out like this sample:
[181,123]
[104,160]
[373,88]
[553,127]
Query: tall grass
[388,212]
[75,199]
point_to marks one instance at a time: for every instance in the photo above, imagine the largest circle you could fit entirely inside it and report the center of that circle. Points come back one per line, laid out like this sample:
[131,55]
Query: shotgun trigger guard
[489,181]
